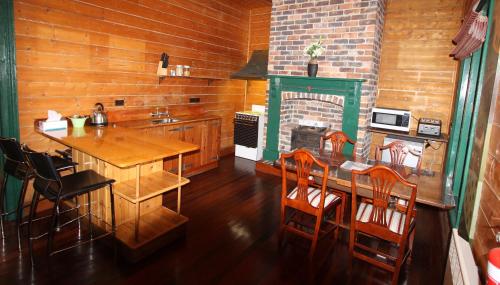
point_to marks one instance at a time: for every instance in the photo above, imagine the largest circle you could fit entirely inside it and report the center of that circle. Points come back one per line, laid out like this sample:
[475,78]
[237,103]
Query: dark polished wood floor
[231,239]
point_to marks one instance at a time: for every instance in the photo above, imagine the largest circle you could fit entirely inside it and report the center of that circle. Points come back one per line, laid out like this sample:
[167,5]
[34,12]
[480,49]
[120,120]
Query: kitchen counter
[119,146]
[199,129]
[148,123]
[135,162]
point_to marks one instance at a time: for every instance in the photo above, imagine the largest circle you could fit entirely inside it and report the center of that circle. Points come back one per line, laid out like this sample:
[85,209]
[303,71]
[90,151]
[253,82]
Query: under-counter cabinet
[204,133]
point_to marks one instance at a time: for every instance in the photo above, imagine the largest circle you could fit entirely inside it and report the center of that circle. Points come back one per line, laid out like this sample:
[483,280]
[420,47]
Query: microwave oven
[391,119]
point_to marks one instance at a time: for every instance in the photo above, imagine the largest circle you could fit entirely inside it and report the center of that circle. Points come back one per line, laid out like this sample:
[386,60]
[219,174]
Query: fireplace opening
[301,111]
[307,137]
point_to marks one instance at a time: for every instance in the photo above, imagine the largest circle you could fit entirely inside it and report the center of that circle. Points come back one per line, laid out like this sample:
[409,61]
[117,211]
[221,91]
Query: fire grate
[307,137]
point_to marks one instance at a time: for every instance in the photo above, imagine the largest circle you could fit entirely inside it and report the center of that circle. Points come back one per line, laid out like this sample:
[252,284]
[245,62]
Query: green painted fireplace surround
[350,89]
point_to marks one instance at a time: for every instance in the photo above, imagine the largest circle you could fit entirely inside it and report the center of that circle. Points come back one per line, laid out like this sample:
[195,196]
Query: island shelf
[150,186]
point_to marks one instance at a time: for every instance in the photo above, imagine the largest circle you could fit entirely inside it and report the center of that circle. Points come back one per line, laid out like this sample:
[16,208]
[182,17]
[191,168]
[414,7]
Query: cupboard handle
[188,128]
[175,130]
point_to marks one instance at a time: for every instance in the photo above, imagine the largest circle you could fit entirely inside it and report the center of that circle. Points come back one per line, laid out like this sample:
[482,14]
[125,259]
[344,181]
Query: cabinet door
[193,133]
[212,144]
[156,131]
[172,132]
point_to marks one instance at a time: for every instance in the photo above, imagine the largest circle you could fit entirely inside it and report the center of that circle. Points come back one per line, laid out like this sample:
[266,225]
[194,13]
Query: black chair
[49,184]
[16,165]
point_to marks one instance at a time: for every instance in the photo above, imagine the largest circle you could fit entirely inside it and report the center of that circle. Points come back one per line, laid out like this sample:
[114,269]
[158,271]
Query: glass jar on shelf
[187,70]
[179,70]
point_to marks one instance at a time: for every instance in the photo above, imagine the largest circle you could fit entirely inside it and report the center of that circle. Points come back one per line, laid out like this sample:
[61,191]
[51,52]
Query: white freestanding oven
[249,133]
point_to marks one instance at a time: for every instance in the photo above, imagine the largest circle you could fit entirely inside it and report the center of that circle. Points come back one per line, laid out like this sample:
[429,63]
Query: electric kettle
[99,118]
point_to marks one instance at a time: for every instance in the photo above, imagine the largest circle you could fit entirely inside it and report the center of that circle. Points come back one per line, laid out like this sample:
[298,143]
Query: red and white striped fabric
[314,195]
[471,35]
[395,220]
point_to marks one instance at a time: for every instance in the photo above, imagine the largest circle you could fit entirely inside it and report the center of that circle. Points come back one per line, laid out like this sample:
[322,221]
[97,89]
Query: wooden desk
[135,161]
[429,191]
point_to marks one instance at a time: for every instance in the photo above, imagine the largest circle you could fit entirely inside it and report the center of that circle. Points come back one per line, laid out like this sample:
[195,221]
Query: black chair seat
[73,184]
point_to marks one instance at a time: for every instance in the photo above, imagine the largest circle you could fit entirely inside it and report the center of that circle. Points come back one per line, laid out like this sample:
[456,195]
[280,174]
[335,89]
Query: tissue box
[55,125]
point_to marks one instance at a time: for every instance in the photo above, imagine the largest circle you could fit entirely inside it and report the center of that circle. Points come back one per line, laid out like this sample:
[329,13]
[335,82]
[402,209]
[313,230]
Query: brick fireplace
[296,106]
[351,31]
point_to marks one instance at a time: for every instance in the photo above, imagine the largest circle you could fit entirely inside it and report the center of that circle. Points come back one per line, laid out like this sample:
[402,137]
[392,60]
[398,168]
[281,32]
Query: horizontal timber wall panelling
[72,54]
[260,22]
[416,72]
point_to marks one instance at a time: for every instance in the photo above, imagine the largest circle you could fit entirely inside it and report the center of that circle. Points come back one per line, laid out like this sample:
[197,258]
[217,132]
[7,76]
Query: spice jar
[187,70]
[179,70]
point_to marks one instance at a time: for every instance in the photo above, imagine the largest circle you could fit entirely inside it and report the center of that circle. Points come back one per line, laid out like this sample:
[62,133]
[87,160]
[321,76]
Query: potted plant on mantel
[314,50]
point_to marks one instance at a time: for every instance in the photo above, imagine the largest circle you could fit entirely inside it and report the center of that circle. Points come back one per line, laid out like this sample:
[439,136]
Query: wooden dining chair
[377,219]
[307,197]
[399,151]
[338,140]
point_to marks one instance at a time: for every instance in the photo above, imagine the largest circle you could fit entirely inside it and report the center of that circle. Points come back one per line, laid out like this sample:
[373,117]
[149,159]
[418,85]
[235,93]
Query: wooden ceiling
[254,3]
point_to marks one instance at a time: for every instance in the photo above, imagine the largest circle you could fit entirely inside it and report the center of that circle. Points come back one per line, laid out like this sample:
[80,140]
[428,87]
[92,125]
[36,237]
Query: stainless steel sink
[165,121]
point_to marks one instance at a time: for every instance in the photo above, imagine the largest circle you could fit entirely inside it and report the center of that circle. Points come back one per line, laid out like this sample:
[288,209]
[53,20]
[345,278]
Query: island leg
[138,204]
[179,177]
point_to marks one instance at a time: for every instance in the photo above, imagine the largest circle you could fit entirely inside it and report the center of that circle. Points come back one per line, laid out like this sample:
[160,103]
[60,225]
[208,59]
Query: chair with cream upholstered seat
[307,198]
[380,222]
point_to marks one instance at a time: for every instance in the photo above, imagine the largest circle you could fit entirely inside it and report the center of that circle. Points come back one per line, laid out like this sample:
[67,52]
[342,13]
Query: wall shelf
[209,79]
[412,134]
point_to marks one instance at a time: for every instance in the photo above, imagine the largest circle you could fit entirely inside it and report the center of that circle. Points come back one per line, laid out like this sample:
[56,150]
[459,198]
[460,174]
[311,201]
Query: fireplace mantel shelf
[317,78]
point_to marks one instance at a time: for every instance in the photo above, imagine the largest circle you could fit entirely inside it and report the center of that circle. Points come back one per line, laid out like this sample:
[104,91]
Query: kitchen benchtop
[147,123]
[119,146]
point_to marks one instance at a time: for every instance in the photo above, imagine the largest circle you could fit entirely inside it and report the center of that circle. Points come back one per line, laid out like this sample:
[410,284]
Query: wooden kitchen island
[135,161]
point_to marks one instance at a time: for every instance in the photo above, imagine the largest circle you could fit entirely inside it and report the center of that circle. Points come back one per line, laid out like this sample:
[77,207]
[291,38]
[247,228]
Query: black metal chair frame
[49,177]
[17,166]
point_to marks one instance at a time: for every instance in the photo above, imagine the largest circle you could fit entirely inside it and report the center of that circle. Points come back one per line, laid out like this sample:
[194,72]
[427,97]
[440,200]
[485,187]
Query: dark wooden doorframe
[9,113]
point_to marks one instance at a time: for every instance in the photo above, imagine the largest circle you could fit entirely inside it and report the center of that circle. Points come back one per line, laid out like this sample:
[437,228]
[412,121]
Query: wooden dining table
[430,190]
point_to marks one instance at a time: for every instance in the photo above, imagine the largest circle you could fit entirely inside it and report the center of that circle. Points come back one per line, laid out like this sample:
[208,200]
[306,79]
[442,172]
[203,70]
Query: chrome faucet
[159,114]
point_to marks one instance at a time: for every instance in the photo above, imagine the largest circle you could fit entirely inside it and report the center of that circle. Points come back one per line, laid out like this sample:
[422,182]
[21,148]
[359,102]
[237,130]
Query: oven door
[246,133]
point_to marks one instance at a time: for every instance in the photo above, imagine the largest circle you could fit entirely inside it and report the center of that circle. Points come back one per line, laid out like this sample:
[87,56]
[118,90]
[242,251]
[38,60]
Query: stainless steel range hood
[256,68]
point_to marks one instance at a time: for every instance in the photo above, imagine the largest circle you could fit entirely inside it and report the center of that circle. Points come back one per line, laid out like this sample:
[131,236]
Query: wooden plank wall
[72,54]
[416,72]
[260,22]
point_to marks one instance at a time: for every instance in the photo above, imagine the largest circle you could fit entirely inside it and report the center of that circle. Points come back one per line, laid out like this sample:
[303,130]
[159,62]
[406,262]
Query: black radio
[429,127]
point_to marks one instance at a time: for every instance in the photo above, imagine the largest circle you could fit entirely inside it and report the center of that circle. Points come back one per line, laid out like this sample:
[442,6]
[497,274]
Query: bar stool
[17,166]
[49,184]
